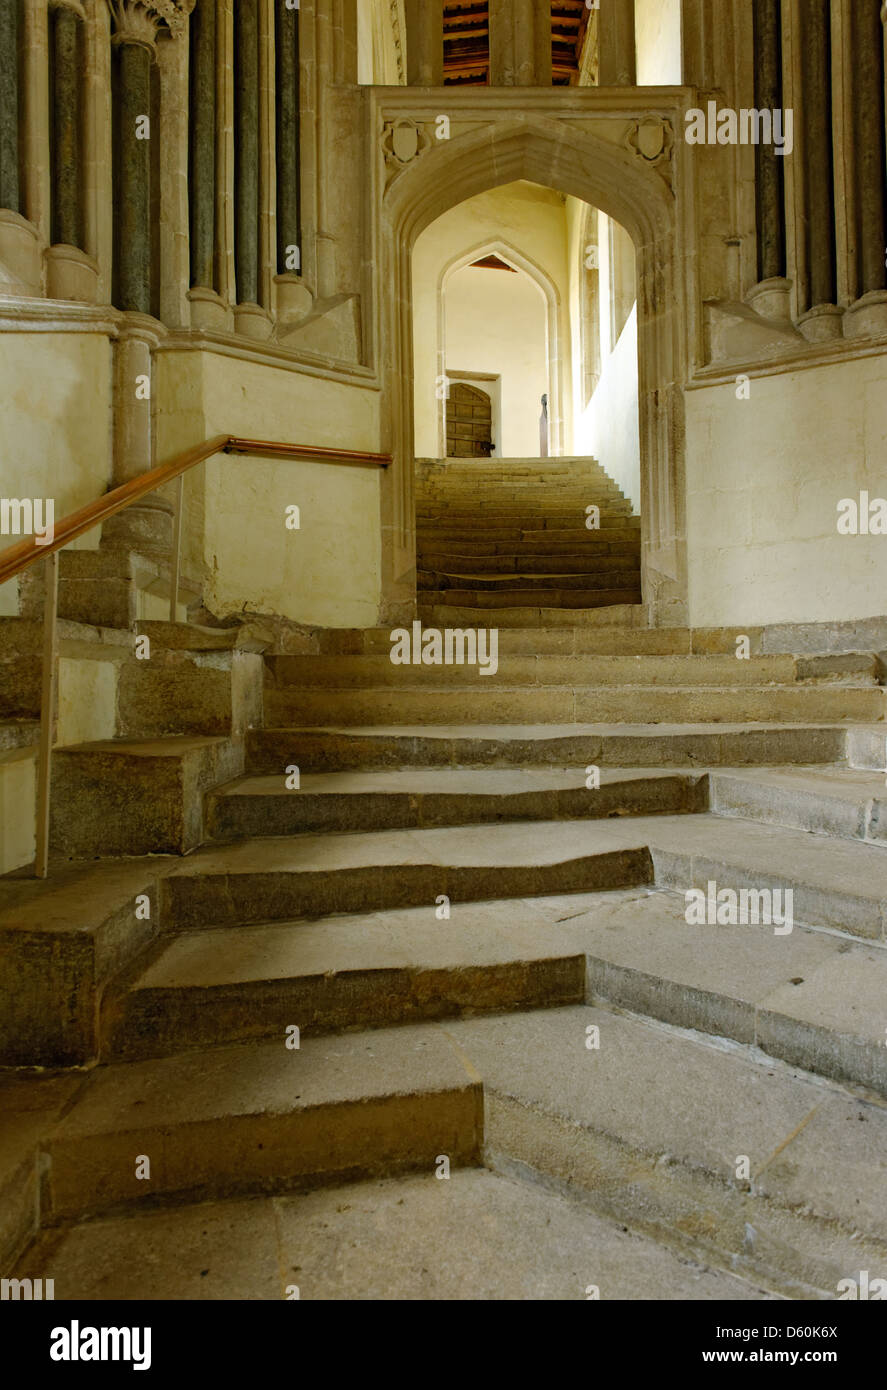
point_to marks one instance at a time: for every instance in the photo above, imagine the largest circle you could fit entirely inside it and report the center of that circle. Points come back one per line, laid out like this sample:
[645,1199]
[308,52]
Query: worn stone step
[836,884]
[407,798]
[365,671]
[136,796]
[263,1118]
[192,637]
[487,700]
[325,749]
[62,939]
[575,562]
[240,984]
[275,880]
[452,614]
[504,1240]
[585,579]
[810,997]
[651,1127]
[18,733]
[842,802]
[612,528]
[541,545]
[514,596]
[584,639]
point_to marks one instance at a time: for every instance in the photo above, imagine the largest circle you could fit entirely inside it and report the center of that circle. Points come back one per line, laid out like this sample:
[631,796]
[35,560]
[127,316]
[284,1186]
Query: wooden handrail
[18,557]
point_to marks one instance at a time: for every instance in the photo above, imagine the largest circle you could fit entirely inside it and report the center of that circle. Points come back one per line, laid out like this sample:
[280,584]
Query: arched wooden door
[469,422]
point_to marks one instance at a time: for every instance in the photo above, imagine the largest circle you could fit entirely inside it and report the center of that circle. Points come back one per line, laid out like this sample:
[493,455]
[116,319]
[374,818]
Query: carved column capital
[139,21]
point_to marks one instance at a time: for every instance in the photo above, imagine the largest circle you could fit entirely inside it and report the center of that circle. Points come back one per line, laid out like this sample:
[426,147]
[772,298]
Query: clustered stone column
[424,42]
[246,152]
[833,184]
[202,144]
[817,289]
[293,298]
[67,125]
[520,43]
[10,99]
[618,62]
[869,313]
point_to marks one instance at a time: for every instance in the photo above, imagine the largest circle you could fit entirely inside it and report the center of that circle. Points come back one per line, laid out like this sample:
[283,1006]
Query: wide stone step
[532,598]
[810,997]
[407,798]
[612,528]
[136,796]
[575,562]
[488,701]
[836,884]
[451,614]
[505,1240]
[353,672]
[327,749]
[652,1127]
[845,803]
[275,880]
[263,1118]
[586,578]
[243,984]
[541,545]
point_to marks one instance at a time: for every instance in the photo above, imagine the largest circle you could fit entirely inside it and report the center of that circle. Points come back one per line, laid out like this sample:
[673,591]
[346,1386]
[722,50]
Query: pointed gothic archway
[598,147]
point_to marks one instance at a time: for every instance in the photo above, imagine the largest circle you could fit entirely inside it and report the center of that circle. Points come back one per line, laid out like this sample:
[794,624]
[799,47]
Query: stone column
[424,43]
[618,52]
[249,316]
[133,183]
[869,314]
[520,43]
[202,145]
[67,127]
[768,165]
[10,99]
[820,318]
[293,298]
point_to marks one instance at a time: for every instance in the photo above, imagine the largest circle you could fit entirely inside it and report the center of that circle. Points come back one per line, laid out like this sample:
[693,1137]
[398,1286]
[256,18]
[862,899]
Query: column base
[71,274]
[867,318]
[822,323]
[146,526]
[772,299]
[208,309]
[294,299]
[252,321]
[20,253]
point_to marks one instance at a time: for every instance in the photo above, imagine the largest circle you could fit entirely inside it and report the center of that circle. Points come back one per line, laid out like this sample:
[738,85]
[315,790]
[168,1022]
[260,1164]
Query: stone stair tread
[165,746]
[192,637]
[441,781]
[264,1078]
[544,732]
[689,1101]
[527,844]
[839,866]
[405,938]
[505,1240]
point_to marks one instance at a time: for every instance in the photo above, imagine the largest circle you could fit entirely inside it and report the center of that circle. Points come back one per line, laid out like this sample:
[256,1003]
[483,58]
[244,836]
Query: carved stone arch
[494,246]
[592,157]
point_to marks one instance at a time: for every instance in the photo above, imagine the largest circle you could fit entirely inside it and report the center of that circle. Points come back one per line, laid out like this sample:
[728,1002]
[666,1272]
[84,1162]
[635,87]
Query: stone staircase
[518,534]
[485,955]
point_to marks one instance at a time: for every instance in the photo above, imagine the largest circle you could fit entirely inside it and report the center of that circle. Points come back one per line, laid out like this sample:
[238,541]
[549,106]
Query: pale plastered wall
[764,477]
[525,216]
[496,323]
[657,25]
[55,426]
[608,426]
[328,572]
[609,429]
